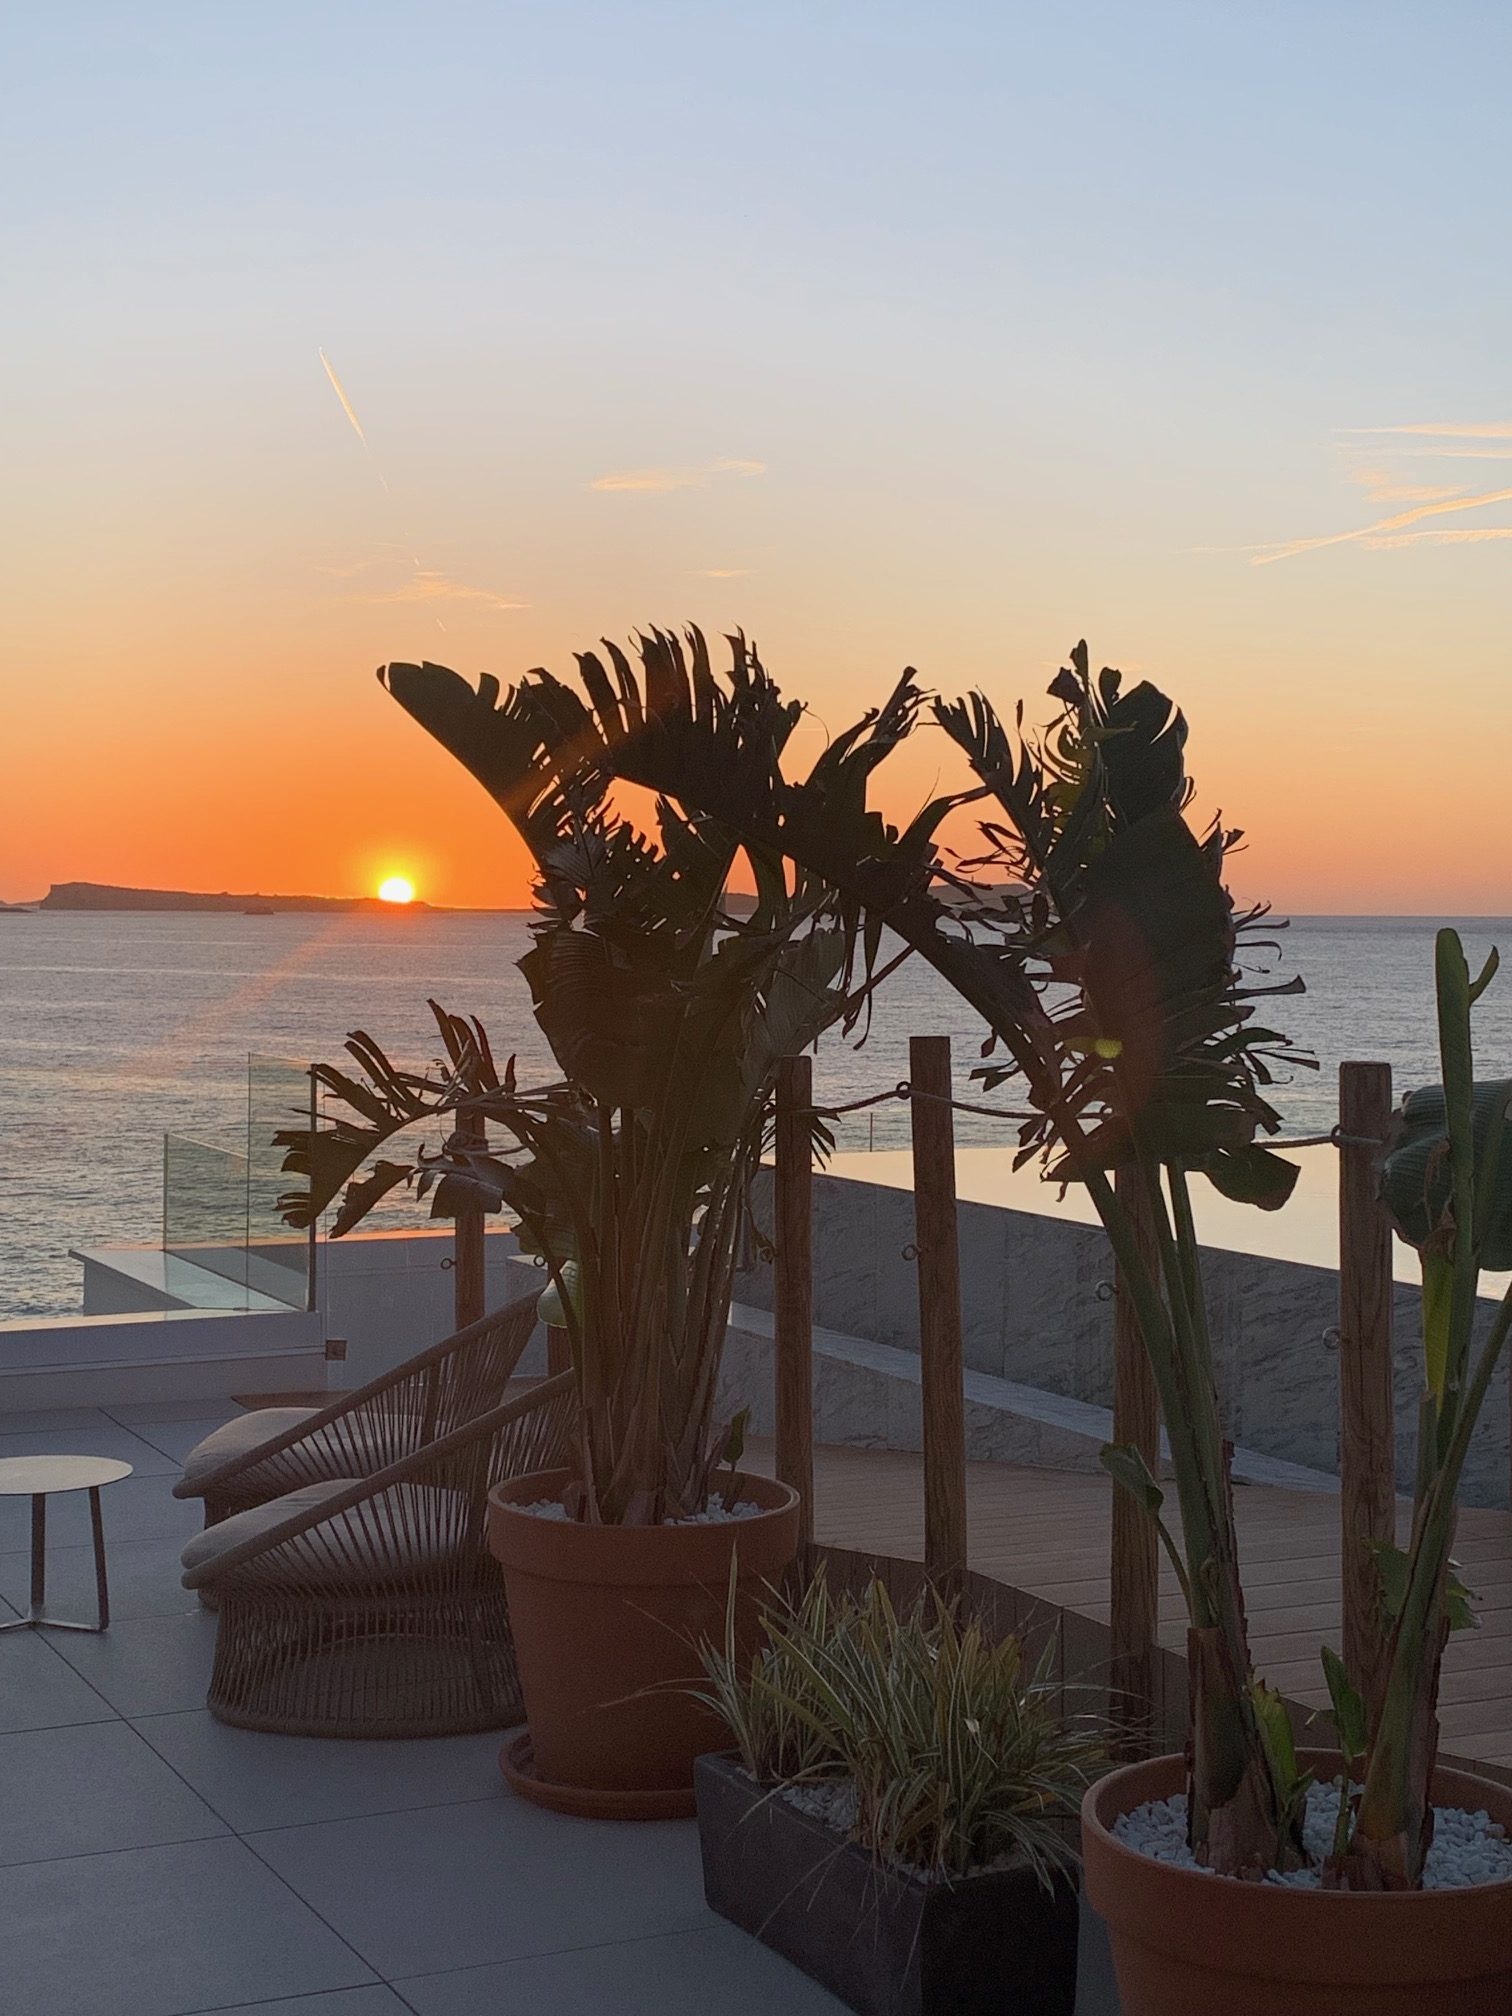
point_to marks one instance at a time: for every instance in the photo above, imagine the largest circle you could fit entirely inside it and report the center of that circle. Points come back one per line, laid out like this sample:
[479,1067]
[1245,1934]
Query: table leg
[37,1613]
[98,1529]
[38,1568]
[39,1554]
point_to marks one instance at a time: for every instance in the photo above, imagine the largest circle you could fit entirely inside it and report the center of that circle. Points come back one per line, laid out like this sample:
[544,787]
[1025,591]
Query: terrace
[158,1863]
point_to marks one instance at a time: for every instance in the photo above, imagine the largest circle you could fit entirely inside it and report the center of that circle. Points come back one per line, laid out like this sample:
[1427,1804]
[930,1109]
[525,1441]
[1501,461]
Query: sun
[396,889]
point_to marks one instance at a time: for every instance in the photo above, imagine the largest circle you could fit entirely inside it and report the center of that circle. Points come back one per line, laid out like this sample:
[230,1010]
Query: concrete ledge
[213,1380]
[866,1396]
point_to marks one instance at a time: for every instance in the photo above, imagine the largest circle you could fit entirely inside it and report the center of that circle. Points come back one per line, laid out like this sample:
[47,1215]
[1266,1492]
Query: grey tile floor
[155,1863]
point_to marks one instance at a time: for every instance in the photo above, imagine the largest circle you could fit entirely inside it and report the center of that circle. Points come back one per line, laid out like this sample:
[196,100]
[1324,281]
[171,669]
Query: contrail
[351,413]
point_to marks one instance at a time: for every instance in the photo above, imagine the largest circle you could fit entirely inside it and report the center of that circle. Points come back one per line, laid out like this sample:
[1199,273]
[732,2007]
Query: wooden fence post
[469,1254]
[1134,1564]
[1367,1417]
[793,1188]
[939,1265]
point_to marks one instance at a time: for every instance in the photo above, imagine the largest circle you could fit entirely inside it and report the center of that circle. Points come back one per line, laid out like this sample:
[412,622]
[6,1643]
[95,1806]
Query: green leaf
[1349,1712]
[1391,1572]
[1438,1321]
[1276,1729]
[735,1437]
[550,1309]
[1251,1174]
[1458,1598]
[1416,1174]
[1278,1743]
[1129,1470]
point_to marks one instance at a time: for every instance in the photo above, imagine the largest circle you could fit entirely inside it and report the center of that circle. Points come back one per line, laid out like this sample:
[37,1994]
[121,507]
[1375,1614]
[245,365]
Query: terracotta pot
[1189,1944]
[606,1622]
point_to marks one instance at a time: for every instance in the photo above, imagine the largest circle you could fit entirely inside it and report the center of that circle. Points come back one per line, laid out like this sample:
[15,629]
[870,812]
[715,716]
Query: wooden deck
[1045,1532]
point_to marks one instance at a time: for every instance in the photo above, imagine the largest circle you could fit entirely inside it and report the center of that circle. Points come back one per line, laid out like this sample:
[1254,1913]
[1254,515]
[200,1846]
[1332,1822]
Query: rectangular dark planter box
[887,1944]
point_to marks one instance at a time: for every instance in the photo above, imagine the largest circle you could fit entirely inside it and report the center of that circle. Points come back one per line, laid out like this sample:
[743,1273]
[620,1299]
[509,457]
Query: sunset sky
[892,333]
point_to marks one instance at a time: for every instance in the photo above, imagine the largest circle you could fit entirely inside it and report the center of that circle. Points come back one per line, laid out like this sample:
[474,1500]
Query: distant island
[108,896]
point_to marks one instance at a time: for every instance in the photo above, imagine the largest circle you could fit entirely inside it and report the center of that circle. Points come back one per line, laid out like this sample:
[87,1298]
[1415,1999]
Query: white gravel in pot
[1467,1848]
[833,1802]
[715,1513]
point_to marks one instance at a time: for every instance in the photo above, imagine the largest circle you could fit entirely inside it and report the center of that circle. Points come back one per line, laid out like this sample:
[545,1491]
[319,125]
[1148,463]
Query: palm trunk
[1234,1817]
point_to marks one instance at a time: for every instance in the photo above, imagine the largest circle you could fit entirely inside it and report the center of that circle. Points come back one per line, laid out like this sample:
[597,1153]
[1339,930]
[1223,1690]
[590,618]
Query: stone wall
[1036,1309]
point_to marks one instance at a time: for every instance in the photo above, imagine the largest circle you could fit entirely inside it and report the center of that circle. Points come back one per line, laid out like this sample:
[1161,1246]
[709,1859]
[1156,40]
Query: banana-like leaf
[1393,1567]
[1129,1470]
[1417,1184]
[1156,1050]
[666,1009]
[1127,1467]
[1350,1716]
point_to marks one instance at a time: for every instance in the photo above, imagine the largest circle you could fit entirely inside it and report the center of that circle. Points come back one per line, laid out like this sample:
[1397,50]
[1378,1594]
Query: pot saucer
[588,1802]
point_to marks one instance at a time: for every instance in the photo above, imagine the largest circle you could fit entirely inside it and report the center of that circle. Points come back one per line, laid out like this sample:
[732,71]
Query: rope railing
[1362,1341]
[905,1093]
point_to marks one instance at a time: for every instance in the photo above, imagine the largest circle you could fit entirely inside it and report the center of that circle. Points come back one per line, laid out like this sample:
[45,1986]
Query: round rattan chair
[371,1606]
[262,1455]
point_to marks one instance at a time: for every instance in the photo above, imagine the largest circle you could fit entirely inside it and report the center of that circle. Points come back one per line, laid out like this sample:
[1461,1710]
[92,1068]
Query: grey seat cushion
[238,1437]
[407,1529]
[356,1445]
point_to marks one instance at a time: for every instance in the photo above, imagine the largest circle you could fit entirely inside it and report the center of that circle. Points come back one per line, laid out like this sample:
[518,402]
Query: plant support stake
[794,1316]
[939,1268]
[469,1260]
[1134,1562]
[1367,1429]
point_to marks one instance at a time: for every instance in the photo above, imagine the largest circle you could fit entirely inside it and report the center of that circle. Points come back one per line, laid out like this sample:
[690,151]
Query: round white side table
[37,1477]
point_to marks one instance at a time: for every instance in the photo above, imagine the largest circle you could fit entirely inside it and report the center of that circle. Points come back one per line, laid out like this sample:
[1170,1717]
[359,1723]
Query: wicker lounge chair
[262,1455]
[371,1606]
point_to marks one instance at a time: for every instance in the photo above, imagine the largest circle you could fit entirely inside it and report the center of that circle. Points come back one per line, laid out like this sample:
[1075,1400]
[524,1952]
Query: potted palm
[896,1815]
[1102,951]
[1408,1904]
[666,1007]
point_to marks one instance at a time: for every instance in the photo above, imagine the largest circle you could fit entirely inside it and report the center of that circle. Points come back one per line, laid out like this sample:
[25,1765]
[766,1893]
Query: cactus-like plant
[1446,1181]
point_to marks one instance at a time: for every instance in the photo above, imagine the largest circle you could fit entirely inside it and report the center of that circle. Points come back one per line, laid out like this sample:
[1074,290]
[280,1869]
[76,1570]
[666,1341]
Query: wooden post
[793,1186]
[939,1265]
[1134,1567]
[1367,1417]
[558,1350]
[469,1258]
[312,1257]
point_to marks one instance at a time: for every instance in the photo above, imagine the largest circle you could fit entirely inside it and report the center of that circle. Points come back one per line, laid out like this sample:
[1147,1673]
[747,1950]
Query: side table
[37,1477]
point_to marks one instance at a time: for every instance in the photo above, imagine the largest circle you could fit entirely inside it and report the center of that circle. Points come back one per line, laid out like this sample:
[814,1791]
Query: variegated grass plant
[956,1748]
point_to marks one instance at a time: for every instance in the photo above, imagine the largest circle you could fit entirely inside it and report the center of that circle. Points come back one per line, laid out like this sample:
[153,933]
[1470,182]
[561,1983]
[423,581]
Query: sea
[119,1029]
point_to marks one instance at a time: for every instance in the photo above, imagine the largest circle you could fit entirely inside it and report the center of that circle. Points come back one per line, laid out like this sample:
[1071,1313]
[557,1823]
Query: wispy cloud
[656,481]
[428,585]
[1289,548]
[721,573]
[1374,458]
[351,413]
[1447,535]
[1453,454]
[1381,487]
[1454,430]
[353,570]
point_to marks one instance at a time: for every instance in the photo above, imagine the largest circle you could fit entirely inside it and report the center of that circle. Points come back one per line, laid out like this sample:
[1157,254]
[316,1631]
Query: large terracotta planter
[1190,1944]
[606,1623]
